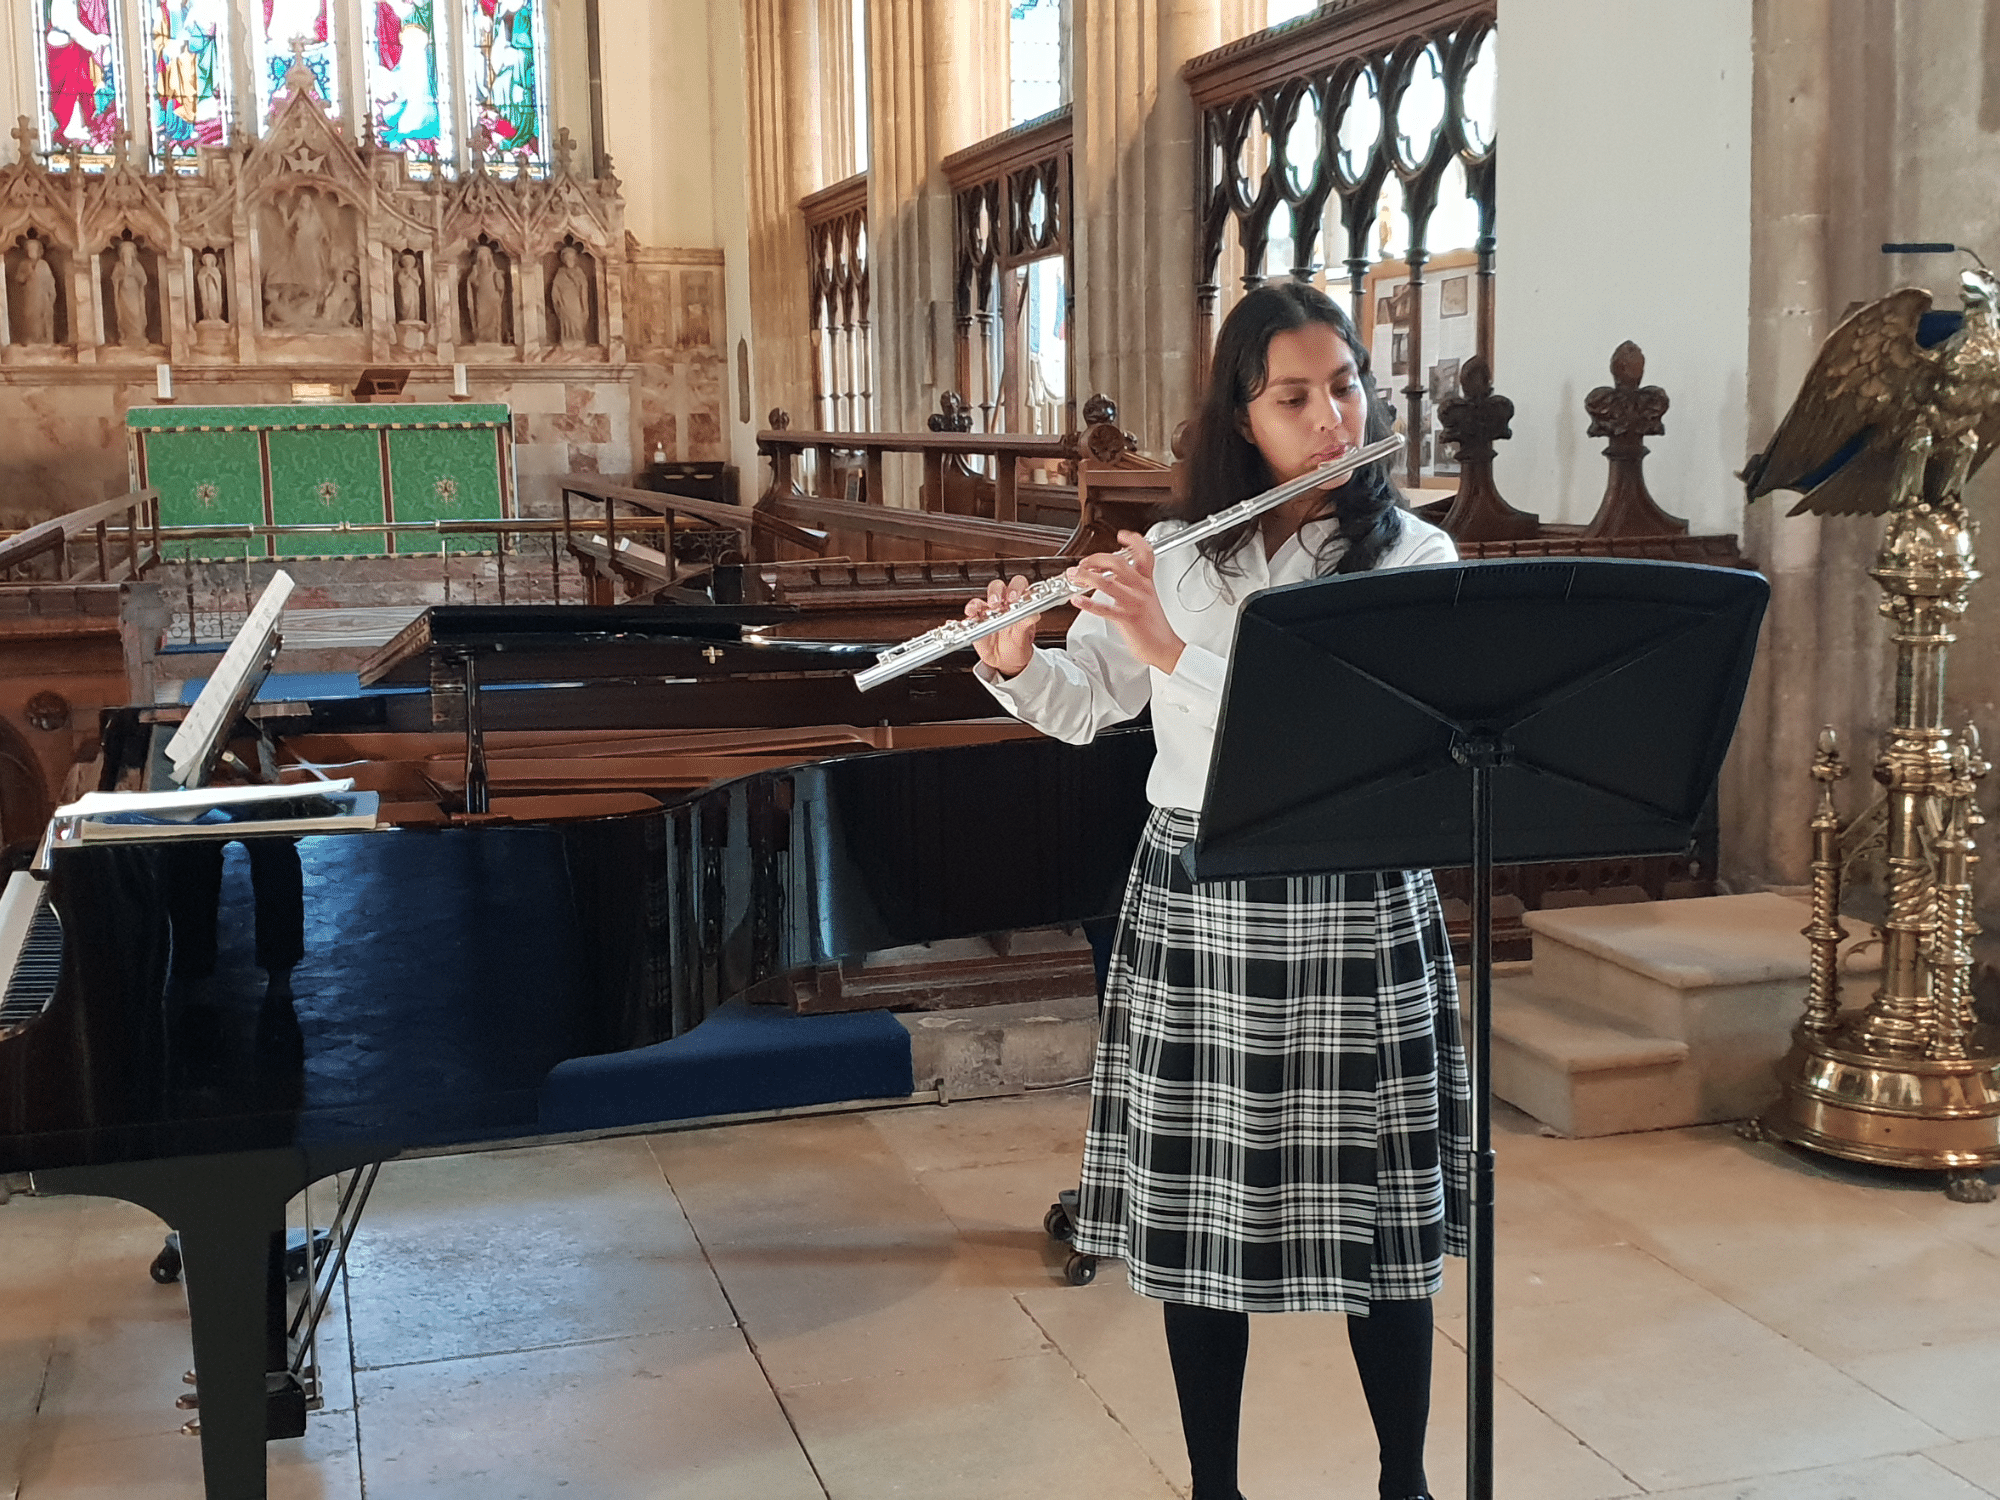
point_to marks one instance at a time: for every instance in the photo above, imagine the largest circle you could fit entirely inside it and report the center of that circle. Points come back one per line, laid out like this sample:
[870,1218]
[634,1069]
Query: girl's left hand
[1124,595]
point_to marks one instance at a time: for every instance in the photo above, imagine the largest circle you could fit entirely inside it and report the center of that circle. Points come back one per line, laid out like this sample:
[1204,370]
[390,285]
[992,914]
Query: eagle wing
[1838,444]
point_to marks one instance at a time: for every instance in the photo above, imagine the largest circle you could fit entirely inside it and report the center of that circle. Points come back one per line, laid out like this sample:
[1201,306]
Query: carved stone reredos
[236,195]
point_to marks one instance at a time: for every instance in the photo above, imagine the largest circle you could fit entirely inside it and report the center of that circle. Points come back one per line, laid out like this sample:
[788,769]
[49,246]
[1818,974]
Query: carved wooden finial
[1099,408]
[952,415]
[780,420]
[1474,422]
[1628,413]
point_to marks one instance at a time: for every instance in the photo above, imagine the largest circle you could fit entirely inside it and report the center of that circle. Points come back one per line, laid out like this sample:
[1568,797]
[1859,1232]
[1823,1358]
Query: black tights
[1392,1352]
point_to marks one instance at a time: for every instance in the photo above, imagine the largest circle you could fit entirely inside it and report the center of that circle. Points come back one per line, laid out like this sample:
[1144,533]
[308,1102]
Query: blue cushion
[741,1059]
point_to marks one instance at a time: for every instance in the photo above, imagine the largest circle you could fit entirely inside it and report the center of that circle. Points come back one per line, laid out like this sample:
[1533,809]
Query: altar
[353,465]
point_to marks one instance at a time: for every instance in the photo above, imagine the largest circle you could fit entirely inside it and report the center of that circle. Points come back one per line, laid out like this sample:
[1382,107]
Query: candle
[164,381]
[457,380]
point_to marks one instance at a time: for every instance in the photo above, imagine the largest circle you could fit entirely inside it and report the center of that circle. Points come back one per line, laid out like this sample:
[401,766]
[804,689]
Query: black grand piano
[226,1020]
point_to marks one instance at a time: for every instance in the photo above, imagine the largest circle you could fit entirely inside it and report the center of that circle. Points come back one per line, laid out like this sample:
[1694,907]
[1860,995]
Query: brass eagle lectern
[1901,407]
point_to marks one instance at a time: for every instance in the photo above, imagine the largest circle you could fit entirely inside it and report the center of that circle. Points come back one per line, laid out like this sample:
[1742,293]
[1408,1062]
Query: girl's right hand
[1009,651]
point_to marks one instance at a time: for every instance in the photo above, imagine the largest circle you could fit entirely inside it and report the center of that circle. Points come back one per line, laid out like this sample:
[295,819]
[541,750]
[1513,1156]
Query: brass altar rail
[53,538]
[551,527]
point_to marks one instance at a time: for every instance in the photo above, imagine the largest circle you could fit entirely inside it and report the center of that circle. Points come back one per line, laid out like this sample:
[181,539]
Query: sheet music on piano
[219,811]
[197,810]
[199,740]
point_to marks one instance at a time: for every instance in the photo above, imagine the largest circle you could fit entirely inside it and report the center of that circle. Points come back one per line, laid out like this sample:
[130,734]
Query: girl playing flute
[1279,1107]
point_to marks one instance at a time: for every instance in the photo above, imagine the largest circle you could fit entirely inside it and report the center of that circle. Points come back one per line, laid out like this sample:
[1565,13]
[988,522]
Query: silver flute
[953,635]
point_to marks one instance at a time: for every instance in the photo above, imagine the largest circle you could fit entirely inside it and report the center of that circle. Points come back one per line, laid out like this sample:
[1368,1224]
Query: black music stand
[1503,712]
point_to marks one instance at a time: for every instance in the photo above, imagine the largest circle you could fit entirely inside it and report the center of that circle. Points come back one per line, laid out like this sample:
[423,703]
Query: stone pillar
[1134,229]
[834,50]
[1824,91]
[937,82]
[1767,788]
[781,43]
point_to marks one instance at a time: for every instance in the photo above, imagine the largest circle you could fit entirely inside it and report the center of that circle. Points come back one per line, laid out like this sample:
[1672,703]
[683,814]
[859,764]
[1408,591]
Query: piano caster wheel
[166,1267]
[1080,1270]
[1057,1225]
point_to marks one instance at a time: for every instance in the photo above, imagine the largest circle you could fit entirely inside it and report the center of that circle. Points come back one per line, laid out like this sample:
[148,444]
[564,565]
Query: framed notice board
[336,469]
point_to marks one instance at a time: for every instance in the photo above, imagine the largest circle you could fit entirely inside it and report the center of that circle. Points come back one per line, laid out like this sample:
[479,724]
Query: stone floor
[864,1306]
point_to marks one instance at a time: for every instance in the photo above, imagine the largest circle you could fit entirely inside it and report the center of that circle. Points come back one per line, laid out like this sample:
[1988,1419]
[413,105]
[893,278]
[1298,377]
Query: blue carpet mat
[743,1058]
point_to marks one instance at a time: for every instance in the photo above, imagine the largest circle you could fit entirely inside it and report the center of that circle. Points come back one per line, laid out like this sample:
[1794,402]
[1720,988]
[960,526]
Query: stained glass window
[187,74]
[434,77]
[409,87]
[279,23]
[504,52]
[80,74]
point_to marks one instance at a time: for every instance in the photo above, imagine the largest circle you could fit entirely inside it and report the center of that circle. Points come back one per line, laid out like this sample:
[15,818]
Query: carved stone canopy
[288,249]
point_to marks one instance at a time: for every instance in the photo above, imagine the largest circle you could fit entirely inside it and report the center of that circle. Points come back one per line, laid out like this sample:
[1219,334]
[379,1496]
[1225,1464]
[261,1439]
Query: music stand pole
[1480,753]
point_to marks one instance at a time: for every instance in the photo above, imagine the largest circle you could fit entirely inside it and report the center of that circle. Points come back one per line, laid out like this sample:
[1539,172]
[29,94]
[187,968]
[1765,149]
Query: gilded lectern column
[1901,407]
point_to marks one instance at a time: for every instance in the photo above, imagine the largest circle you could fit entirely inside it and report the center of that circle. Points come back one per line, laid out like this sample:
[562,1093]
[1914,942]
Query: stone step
[1580,1073]
[1722,976]
[1717,972]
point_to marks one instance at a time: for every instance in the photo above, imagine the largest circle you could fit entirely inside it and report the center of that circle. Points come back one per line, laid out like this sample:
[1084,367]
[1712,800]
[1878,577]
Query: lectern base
[1911,1112]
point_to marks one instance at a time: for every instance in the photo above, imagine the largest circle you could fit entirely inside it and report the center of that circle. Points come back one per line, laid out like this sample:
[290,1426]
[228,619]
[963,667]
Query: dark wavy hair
[1223,466]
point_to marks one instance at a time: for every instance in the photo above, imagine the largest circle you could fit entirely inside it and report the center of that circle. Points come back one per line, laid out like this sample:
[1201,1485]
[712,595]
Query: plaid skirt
[1280,1112]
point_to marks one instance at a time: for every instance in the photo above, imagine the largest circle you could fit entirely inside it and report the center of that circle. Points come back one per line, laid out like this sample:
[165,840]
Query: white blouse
[1094,681]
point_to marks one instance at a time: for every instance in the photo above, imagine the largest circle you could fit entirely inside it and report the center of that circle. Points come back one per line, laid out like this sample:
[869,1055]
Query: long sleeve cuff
[1025,688]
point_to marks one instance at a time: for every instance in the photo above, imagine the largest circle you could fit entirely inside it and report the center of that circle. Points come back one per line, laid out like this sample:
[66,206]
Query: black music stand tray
[1476,714]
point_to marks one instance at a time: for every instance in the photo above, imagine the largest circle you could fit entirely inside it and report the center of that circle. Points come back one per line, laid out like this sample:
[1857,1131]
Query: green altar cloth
[351,464]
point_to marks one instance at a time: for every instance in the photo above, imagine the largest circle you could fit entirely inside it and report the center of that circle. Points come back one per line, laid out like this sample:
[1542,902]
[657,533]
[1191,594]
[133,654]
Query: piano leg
[225,1208]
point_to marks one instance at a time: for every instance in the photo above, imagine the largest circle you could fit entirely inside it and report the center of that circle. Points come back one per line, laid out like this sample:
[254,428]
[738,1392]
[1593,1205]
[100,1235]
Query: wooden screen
[1308,129]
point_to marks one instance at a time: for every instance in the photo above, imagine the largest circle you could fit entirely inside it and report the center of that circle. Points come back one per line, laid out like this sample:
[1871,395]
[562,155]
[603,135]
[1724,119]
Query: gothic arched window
[435,79]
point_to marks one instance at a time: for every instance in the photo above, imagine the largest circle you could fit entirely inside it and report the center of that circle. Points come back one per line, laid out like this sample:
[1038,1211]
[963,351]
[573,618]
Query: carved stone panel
[309,246]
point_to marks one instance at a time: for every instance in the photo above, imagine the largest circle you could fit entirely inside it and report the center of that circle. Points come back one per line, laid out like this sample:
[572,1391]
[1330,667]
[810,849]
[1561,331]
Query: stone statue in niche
[210,309]
[569,295]
[37,280]
[128,295]
[486,296]
[410,324]
[409,289]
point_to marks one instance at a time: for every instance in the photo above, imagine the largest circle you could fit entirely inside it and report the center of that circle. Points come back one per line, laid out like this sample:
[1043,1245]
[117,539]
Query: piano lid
[573,642]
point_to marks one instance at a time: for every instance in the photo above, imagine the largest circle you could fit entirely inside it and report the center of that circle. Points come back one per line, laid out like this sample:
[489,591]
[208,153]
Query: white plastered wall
[1624,214]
